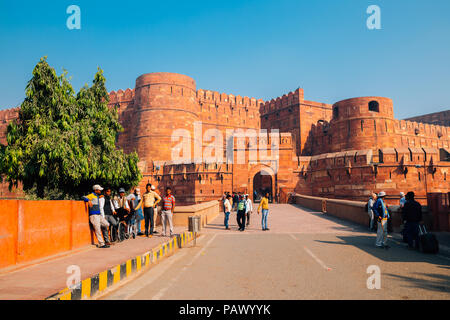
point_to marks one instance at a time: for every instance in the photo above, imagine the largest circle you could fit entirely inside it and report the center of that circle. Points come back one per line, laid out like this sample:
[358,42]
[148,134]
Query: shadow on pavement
[345,224]
[397,253]
[434,282]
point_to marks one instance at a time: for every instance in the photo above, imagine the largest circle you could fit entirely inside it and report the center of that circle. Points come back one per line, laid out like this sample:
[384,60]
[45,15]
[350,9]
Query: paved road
[305,255]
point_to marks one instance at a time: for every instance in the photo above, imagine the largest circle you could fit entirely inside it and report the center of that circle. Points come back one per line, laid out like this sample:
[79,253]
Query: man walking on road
[150,200]
[248,208]
[241,209]
[264,204]
[381,216]
[412,216]
[227,211]
[168,207]
[95,217]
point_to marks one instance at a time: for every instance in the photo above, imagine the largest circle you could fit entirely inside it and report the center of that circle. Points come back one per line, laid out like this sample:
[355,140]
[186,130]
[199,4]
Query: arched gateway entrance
[263,182]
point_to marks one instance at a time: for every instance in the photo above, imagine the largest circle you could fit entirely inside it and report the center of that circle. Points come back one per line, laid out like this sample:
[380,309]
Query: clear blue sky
[256,48]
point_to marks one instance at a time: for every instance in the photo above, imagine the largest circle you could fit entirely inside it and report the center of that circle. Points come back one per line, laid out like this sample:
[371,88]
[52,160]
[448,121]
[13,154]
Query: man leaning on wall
[95,217]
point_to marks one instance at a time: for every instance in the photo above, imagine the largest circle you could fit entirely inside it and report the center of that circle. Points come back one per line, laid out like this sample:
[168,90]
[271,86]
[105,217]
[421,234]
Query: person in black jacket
[412,216]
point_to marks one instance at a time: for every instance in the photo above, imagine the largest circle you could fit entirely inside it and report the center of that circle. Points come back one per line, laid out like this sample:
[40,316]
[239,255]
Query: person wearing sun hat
[95,216]
[381,215]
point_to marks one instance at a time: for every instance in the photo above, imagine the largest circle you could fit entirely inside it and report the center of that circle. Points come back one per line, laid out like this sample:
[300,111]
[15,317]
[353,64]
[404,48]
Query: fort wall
[346,150]
[6,116]
[437,118]
[356,174]
[291,113]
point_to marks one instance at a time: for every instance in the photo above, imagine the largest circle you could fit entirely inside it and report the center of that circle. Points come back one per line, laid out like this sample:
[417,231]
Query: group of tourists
[243,206]
[107,212]
[411,212]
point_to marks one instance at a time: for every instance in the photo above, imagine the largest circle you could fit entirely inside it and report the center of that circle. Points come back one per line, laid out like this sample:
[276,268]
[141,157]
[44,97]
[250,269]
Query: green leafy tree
[62,143]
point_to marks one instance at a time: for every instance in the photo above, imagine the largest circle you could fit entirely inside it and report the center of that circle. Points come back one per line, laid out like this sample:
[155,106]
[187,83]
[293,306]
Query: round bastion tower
[164,103]
[363,123]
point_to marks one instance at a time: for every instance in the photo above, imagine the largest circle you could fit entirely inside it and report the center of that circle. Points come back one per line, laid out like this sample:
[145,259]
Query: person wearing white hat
[402,199]
[122,207]
[381,215]
[95,216]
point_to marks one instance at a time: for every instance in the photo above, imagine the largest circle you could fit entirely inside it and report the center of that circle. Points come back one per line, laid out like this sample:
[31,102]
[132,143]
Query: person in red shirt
[168,207]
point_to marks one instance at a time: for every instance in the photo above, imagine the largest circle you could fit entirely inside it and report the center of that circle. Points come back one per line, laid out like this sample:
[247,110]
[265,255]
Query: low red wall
[354,210]
[32,230]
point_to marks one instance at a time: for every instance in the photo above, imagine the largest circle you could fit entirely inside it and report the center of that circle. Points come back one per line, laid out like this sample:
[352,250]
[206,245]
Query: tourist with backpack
[381,215]
[241,208]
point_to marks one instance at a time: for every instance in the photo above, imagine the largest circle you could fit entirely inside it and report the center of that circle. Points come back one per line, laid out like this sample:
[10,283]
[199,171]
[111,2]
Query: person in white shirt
[402,199]
[248,208]
[107,211]
[122,207]
[370,204]
[227,211]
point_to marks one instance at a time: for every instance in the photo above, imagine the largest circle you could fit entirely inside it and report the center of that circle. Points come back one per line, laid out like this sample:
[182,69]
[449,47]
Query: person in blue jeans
[227,211]
[137,204]
[264,205]
[381,215]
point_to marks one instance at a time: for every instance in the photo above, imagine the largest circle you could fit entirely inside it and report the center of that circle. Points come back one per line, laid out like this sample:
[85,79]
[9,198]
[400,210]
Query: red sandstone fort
[346,150]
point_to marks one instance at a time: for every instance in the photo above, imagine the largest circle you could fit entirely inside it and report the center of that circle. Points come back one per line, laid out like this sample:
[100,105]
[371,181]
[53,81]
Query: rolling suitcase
[427,241]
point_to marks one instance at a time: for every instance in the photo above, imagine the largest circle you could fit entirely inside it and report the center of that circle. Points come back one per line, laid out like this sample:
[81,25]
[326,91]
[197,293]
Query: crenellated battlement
[223,98]
[286,100]
[439,118]
[121,96]
[7,115]
[400,158]
[423,129]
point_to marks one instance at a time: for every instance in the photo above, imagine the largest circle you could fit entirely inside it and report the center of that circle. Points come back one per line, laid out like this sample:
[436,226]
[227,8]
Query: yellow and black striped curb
[99,282]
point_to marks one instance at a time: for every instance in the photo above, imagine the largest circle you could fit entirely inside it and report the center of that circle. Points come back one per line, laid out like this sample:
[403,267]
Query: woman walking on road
[264,204]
